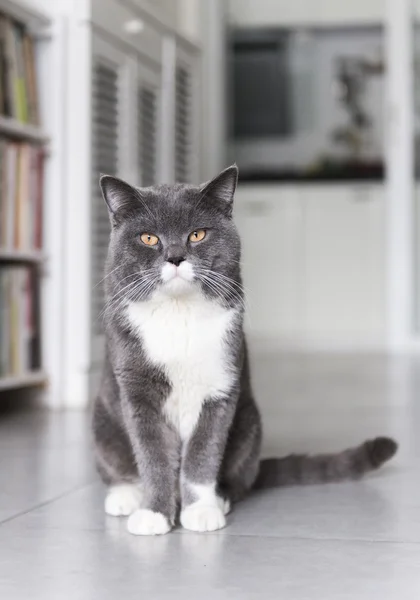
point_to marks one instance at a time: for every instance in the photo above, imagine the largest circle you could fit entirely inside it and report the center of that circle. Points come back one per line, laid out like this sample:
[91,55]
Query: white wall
[189,19]
[213,88]
[305,12]
[52,60]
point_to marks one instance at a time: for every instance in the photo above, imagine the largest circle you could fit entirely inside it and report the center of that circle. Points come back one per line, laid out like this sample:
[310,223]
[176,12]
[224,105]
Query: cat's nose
[175,260]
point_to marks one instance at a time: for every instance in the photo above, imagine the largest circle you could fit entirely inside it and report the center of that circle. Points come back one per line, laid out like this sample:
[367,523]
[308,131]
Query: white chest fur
[186,338]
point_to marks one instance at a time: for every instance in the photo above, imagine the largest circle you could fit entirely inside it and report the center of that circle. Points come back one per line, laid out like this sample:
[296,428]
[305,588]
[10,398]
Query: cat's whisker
[225,284]
[140,286]
[223,290]
[226,279]
[111,303]
[136,274]
[236,288]
[214,289]
[144,290]
[107,275]
[222,275]
[114,300]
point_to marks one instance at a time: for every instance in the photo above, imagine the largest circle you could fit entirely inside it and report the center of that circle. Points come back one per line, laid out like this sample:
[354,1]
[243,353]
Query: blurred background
[316,100]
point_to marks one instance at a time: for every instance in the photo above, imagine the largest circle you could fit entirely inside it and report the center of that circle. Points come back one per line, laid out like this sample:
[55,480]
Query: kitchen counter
[333,173]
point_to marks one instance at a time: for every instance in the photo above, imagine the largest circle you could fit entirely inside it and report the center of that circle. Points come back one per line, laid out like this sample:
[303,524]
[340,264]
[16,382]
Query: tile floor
[346,541]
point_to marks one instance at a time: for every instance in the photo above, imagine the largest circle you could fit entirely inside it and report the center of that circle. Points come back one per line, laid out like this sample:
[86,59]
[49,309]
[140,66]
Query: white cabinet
[113,94]
[130,138]
[314,264]
[269,222]
[344,270]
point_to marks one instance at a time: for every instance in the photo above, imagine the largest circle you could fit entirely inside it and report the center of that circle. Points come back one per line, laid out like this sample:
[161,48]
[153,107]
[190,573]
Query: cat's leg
[242,457]
[115,461]
[202,508]
[156,449]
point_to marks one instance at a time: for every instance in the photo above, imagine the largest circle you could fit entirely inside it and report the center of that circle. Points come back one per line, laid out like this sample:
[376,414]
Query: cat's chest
[187,339]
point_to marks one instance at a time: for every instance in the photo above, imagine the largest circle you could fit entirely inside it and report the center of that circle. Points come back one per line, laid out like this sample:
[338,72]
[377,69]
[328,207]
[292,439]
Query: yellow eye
[149,239]
[197,236]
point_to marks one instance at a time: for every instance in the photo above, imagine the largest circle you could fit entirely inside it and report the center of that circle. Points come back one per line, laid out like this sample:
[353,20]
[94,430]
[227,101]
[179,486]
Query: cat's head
[173,240]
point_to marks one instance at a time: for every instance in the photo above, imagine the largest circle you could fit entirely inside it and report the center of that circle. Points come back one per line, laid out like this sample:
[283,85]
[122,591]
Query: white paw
[122,500]
[147,522]
[224,505]
[201,517]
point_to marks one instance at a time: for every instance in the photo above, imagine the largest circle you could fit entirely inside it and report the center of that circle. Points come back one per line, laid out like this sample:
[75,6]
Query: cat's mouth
[183,270]
[177,279]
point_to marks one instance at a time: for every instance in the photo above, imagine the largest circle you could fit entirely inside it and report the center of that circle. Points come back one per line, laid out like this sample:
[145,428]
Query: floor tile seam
[45,502]
[179,531]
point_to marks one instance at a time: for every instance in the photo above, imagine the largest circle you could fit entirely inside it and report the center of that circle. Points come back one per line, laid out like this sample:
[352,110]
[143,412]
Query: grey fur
[133,441]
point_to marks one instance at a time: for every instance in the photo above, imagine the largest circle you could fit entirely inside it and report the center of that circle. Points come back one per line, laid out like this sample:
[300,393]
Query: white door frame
[400,182]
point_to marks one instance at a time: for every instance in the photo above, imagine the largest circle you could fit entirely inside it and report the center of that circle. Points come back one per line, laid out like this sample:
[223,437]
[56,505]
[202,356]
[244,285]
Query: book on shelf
[19,321]
[18,79]
[21,195]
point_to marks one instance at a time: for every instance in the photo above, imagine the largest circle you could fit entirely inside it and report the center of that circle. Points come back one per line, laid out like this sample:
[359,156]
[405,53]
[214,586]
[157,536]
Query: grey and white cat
[176,426]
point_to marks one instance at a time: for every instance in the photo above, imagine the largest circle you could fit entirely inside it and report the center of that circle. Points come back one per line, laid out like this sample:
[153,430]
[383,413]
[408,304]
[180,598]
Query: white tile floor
[348,541]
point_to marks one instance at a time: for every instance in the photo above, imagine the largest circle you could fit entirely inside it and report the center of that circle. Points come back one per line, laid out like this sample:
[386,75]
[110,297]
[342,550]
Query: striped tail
[303,469]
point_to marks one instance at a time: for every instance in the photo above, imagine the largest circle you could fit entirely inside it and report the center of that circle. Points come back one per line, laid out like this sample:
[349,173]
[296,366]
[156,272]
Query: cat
[176,426]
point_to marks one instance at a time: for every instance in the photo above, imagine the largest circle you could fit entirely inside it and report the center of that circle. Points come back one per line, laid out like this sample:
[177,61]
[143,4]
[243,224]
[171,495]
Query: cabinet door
[269,222]
[180,112]
[186,116]
[148,119]
[113,78]
[344,271]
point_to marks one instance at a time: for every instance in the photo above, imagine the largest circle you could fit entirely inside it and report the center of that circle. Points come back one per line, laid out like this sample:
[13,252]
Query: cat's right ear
[120,197]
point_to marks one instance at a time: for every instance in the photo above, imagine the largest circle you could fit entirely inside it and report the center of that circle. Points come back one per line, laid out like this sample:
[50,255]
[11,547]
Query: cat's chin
[178,287]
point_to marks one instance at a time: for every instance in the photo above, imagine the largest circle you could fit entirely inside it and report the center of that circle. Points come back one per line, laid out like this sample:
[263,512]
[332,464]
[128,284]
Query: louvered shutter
[148,105]
[186,118]
[147,135]
[105,134]
[182,125]
[113,144]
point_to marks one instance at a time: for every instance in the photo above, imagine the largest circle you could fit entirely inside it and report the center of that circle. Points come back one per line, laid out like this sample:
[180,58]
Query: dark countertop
[334,174]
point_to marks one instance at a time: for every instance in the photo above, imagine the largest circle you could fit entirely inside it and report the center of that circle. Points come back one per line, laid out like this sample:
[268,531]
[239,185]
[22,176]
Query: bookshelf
[22,131]
[21,256]
[23,150]
[34,378]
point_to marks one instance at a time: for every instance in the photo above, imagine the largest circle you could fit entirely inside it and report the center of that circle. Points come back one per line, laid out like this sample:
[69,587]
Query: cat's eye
[149,239]
[197,235]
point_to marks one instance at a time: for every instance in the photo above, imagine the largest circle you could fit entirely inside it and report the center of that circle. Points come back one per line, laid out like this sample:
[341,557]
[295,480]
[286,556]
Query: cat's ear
[120,197]
[221,189]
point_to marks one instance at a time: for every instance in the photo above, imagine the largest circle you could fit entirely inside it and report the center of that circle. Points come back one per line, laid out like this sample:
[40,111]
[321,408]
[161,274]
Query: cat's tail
[303,469]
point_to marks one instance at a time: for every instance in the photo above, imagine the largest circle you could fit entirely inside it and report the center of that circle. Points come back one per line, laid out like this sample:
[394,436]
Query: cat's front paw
[201,517]
[122,500]
[148,522]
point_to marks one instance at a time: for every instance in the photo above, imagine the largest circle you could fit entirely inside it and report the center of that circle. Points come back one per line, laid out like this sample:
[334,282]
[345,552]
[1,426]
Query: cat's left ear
[221,189]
